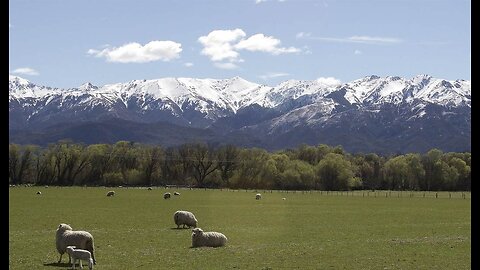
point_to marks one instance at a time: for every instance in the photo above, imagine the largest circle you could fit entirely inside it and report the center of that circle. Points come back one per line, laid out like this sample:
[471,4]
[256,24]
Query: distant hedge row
[306,167]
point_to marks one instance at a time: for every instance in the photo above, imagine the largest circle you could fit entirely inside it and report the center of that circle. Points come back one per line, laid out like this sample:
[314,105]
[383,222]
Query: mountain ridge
[297,109]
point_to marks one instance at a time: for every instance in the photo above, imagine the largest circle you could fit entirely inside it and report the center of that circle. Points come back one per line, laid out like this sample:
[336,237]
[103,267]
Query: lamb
[110,193]
[167,195]
[258,196]
[39,192]
[207,239]
[185,218]
[80,254]
[66,236]
[149,188]
[176,193]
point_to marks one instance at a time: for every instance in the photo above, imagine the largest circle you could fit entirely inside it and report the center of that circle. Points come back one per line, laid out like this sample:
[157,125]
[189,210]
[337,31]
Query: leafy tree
[100,159]
[203,163]
[125,157]
[153,156]
[250,168]
[334,172]
[227,158]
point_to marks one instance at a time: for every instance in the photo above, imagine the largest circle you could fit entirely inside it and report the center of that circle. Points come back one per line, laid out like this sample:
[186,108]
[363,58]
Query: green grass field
[135,229]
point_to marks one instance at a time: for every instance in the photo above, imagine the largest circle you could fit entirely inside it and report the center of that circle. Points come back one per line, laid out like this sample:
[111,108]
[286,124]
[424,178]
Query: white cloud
[188,64]
[261,1]
[270,75]
[377,40]
[353,39]
[227,65]
[223,46]
[357,52]
[218,44]
[328,81]
[136,53]
[303,35]
[306,50]
[262,43]
[26,71]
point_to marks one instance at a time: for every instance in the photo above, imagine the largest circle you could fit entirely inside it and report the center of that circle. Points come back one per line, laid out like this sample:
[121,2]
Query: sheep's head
[64,227]
[196,231]
[70,249]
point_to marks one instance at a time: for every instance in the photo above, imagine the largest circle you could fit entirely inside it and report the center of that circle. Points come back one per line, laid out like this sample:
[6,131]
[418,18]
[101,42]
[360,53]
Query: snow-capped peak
[87,86]
[235,93]
[18,80]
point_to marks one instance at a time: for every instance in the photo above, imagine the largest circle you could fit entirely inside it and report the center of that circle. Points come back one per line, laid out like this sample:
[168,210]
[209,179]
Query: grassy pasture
[135,229]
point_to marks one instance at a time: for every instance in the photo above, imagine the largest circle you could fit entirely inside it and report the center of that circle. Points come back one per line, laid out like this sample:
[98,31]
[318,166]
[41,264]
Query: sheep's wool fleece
[185,218]
[208,239]
[65,236]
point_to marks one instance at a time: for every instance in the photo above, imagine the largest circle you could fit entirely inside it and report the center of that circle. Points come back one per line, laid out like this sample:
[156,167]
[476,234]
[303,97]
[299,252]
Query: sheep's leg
[73,264]
[69,258]
[59,260]
[93,257]
[81,266]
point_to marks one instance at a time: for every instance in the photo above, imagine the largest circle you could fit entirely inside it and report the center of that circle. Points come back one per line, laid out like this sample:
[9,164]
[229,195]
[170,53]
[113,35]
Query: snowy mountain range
[371,114]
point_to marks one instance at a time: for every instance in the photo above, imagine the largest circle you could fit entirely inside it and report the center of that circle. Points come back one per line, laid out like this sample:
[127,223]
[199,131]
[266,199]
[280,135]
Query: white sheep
[258,196]
[284,199]
[66,236]
[149,188]
[167,195]
[185,218]
[110,193]
[80,254]
[39,192]
[207,239]
[176,193]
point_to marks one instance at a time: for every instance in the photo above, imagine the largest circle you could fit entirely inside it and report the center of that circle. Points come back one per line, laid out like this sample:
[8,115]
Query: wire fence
[369,193]
[355,193]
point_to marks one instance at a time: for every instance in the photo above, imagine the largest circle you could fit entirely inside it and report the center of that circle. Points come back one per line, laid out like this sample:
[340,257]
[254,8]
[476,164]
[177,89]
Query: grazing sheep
[39,192]
[149,188]
[258,196]
[284,199]
[110,193]
[207,239]
[176,193]
[185,218]
[167,195]
[66,236]
[80,254]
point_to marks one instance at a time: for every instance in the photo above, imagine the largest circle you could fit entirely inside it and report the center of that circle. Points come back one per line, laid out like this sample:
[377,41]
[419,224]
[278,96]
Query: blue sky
[65,43]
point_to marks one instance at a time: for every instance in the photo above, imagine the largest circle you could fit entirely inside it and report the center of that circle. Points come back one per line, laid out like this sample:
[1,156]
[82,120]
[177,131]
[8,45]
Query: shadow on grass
[57,264]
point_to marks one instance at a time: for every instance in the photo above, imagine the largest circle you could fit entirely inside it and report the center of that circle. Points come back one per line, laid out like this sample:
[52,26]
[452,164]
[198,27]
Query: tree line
[320,167]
